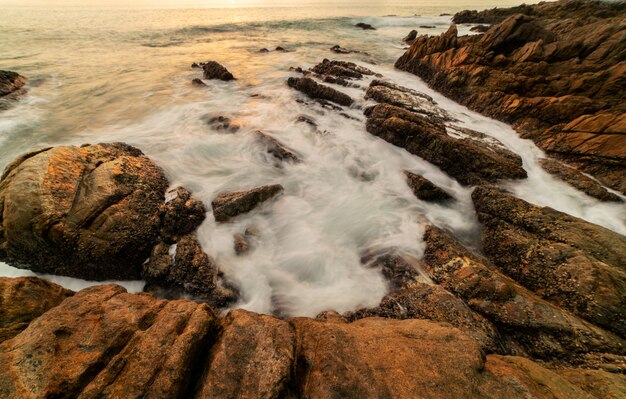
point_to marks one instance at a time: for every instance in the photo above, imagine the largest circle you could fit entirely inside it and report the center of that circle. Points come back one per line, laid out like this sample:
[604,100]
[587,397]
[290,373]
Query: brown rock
[183,214]
[597,383]
[578,180]
[365,26]
[11,85]
[531,325]
[277,149]
[341,69]
[469,161]
[383,91]
[253,358]
[317,91]
[198,83]
[91,212]
[103,342]
[480,28]
[229,205]
[24,299]
[224,123]
[568,261]
[213,70]
[424,189]
[410,37]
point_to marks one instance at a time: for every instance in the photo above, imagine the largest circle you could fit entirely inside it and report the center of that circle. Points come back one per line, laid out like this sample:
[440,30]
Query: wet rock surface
[318,91]
[578,180]
[552,69]
[11,86]
[568,261]
[277,149]
[214,70]
[424,189]
[229,205]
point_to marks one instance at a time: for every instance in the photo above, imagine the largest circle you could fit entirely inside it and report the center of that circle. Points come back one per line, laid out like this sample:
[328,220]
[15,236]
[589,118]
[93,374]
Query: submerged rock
[424,189]
[578,180]
[229,205]
[224,123]
[317,91]
[528,324]
[573,263]
[24,299]
[183,213]
[198,83]
[214,70]
[469,161]
[277,149]
[365,26]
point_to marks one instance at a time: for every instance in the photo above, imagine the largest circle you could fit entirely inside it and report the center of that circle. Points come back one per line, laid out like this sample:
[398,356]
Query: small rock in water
[214,70]
[365,26]
[223,123]
[480,28]
[424,189]
[263,50]
[198,83]
[276,148]
[281,49]
[410,37]
[340,50]
[427,26]
[242,245]
[229,205]
[318,91]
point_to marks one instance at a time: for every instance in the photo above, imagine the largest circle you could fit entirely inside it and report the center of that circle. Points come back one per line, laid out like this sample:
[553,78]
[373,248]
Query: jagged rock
[213,70]
[576,264]
[578,180]
[183,213]
[224,123]
[252,358]
[281,49]
[542,68]
[264,50]
[24,299]
[229,205]
[387,92]
[103,342]
[91,212]
[424,189]
[198,83]
[277,149]
[183,269]
[342,69]
[365,26]
[11,86]
[468,160]
[410,37]
[317,91]
[528,324]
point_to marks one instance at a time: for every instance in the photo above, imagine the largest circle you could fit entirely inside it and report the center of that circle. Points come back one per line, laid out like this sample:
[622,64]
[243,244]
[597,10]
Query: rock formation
[317,91]
[214,70]
[229,205]
[424,189]
[11,85]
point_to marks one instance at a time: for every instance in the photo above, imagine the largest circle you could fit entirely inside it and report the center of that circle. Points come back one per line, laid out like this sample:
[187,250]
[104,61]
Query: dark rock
[410,37]
[281,49]
[568,261]
[103,342]
[469,161]
[480,28]
[10,82]
[183,214]
[196,65]
[229,205]
[424,189]
[91,212]
[528,324]
[317,91]
[263,50]
[399,270]
[224,123]
[24,299]
[182,269]
[340,50]
[342,69]
[427,26]
[277,149]
[213,70]
[241,244]
[252,358]
[387,92]
[578,180]
[198,83]
[306,119]
[365,26]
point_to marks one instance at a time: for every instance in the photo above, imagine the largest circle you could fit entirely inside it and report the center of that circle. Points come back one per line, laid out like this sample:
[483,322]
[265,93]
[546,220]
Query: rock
[11,83]
[277,149]
[573,263]
[281,49]
[213,70]
[427,26]
[553,70]
[263,50]
[103,342]
[241,244]
[24,299]
[365,26]
[598,383]
[399,270]
[92,212]
[224,123]
[340,50]
[252,358]
[480,28]
[387,92]
[528,324]
[469,161]
[183,214]
[425,190]
[410,37]
[198,83]
[342,69]
[183,269]
[229,205]
[314,90]
[578,180]
[306,119]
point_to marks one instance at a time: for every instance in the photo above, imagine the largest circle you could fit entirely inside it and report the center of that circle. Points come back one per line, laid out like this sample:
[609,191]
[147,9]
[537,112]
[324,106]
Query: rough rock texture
[184,269]
[568,261]
[253,358]
[214,70]
[317,91]
[408,39]
[277,149]
[23,299]
[229,205]
[11,85]
[384,91]
[424,189]
[91,212]
[183,214]
[529,325]
[341,69]
[597,383]
[468,160]
[103,342]
[555,70]
[578,180]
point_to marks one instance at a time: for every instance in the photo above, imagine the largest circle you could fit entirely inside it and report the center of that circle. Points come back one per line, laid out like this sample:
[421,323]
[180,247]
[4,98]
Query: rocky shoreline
[536,311]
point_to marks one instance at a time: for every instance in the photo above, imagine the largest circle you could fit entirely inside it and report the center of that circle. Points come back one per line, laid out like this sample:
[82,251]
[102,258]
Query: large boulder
[91,212]
[573,263]
[529,325]
[24,299]
[554,70]
[469,160]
